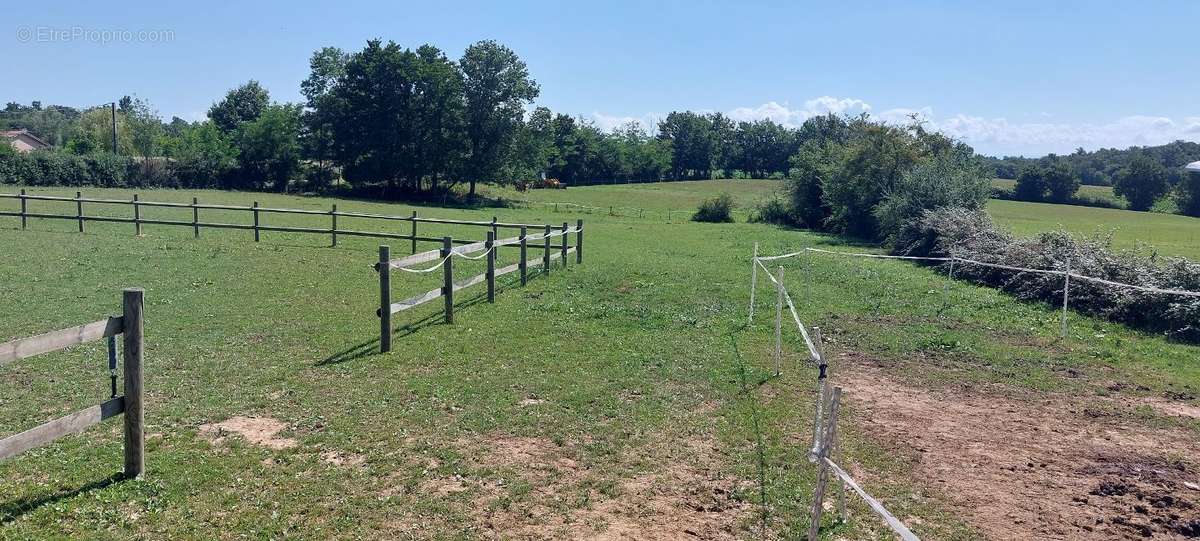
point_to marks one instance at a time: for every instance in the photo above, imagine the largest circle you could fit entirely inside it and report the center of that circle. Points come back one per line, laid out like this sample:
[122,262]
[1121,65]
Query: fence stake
[753,280]
[565,239]
[546,250]
[385,299]
[836,452]
[579,241]
[414,232]
[24,210]
[448,277]
[491,265]
[135,438]
[1066,295]
[79,209]
[255,211]
[195,218]
[822,394]
[495,231]
[523,264]
[333,228]
[779,323]
[137,216]
[814,525]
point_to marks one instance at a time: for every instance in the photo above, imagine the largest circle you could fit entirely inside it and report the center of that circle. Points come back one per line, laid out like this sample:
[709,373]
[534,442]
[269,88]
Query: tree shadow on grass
[11,511]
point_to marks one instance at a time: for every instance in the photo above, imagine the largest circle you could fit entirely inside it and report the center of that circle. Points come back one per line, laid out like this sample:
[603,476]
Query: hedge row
[972,235]
[62,169]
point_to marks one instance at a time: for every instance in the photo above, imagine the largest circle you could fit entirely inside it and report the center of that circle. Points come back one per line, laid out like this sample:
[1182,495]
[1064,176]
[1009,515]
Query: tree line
[392,121]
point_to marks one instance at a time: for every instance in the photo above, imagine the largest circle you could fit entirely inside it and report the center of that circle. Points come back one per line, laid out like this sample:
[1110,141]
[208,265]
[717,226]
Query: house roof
[13,134]
[1194,166]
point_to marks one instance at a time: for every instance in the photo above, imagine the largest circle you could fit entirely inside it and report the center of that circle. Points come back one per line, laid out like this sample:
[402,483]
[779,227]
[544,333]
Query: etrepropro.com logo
[56,34]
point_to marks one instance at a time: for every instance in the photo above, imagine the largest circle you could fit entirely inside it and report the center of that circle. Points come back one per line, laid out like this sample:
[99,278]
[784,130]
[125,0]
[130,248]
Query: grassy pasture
[1096,192]
[1168,234]
[626,366]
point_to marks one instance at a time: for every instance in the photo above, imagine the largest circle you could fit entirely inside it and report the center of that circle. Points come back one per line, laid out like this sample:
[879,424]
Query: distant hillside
[1098,167]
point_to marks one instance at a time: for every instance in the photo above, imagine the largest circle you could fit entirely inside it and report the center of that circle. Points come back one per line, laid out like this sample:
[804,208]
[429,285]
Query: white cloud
[987,135]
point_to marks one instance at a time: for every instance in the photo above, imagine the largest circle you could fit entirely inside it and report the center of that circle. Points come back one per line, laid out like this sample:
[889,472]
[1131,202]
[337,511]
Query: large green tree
[497,87]
[1142,182]
[269,146]
[239,105]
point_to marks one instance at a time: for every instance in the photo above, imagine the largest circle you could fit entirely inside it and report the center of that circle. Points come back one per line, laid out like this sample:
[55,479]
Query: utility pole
[113,108]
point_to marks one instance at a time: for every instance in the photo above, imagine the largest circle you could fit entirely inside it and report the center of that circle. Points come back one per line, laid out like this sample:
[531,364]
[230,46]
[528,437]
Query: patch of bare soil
[348,460]
[262,431]
[1035,468]
[687,498]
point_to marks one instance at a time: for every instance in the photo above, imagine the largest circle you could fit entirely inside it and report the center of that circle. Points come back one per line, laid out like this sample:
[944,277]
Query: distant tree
[176,127]
[1142,182]
[497,88]
[145,127]
[202,156]
[240,105]
[327,66]
[269,146]
[693,144]
[1031,184]
[1188,194]
[1061,182]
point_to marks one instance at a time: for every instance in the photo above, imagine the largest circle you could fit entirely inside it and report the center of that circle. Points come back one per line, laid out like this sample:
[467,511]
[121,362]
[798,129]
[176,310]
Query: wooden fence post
[1066,295]
[495,231]
[814,525]
[822,393]
[779,323]
[546,250]
[333,227]
[255,211]
[137,216]
[579,241]
[195,218]
[448,277]
[523,264]
[491,266]
[385,299]
[414,232]
[565,239]
[753,280]
[135,436]
[79,209]
[24,210]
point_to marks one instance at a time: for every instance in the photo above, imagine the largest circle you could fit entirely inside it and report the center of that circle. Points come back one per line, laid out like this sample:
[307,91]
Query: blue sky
[1007,77]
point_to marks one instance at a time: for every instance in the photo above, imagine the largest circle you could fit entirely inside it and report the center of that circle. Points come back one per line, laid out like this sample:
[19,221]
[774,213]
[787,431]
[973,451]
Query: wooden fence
[487,249]
[255,214]
[129,325]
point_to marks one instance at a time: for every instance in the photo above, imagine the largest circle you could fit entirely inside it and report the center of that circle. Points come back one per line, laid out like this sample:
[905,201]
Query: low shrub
[972,235]
[773,211]
[716,210]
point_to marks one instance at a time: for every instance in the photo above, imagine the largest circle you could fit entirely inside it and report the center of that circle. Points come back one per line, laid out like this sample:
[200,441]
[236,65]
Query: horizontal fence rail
[487,250]
[254,211]
[130,326]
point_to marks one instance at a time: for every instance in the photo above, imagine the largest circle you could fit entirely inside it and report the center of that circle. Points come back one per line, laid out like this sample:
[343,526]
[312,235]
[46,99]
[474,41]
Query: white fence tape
[812,348]
[1147,289]
[893,522]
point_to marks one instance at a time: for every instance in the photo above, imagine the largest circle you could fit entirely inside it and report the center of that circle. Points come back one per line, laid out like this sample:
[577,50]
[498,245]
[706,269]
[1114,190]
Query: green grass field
[1167,234]
[621,395]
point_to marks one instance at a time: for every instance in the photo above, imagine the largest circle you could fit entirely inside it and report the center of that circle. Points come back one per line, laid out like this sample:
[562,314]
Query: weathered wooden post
[195,218]
[385,299]
[491,266]
[779,323]
[565,238]
[414,232]
[448,277]
[579,241]
[137,216]
[79,209]
[495,231]
[814,525]
[24,210]
[546,250]
[1066,295]
[753,280]
[822,393]
[255,211]
[135,437]
[333,225]
[524,264]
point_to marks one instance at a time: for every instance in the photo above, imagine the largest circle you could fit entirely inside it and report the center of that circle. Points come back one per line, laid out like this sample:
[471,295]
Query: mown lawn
[652,200]
[1167,234]
[634,363]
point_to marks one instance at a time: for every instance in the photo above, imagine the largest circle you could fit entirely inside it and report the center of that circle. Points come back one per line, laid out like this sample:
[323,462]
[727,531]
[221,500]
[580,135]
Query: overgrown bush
[717,210]
[972,235]
[773,211]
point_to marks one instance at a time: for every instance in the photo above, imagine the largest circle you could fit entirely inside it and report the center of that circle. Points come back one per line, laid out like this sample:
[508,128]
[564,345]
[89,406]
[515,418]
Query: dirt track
[1037,468]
